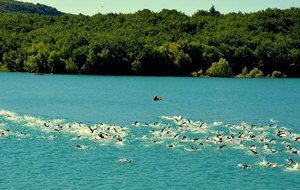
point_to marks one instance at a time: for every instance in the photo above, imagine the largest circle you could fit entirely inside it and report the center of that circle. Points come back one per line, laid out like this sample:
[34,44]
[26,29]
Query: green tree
[220,69]
[13,61]
[197,73]
[213,11]
[70,66]
[55,63]
[37,60]
[152,43]
[245,71]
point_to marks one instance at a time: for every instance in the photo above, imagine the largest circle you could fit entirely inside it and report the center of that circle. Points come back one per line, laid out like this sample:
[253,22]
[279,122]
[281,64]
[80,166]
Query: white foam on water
[52,137]
[273,120]
[172,132]
[61,127]
[2,124]
[22,135]
[264,163]
[217,123]
[294,167]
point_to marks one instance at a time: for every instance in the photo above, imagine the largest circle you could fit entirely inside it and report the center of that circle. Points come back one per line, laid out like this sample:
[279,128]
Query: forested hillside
[208,43]
[12,6]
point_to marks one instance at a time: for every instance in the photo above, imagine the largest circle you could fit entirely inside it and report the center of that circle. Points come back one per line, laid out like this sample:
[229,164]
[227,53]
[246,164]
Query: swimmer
[244,166]
[253,151]
[292,164]
[295,152]
[101,135]
[57,130]
[124,161]
[176,136]
[273,151]
[21,135]
[221,147]
[184,138]
[240,135]
[145,138]
[266,146]
[201,124]
[81,147]
[115,130]
[3,133]
[241,143]
[119,139]
[191,149]
[52,137]
[218,139]
[163,130]
[268,164]
[252,136]
[261,139]
[272,140]
[92,130]
[252,147]
[271,165]
[136,123]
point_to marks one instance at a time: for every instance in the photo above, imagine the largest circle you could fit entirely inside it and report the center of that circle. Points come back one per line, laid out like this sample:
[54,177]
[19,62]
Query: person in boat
[156,98]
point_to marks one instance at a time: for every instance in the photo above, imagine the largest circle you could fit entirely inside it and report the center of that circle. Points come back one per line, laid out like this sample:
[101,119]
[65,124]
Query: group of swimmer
[255,140]
[103,133]
[8,132]
[173,132]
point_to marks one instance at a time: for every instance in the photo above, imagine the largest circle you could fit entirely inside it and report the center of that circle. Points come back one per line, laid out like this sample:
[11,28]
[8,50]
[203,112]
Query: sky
[91,7]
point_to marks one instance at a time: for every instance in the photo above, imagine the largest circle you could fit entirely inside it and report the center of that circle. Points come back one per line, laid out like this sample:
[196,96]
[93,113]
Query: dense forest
[166,43]
[10,6]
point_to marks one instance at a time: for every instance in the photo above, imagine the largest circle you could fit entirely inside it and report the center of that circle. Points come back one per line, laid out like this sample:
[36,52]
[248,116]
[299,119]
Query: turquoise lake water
[106,132]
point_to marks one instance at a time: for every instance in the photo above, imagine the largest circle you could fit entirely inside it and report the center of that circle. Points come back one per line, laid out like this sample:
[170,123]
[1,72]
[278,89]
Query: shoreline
[124,75]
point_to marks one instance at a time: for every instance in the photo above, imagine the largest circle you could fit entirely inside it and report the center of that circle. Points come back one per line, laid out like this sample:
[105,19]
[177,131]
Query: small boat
[157,98]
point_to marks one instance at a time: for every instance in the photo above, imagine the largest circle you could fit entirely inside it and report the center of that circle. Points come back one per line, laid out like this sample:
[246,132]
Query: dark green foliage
[148,43]
[213,11]
[12,6]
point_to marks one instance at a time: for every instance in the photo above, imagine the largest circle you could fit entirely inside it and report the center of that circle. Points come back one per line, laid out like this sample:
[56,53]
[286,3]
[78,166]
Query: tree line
[166,43]
[10,6]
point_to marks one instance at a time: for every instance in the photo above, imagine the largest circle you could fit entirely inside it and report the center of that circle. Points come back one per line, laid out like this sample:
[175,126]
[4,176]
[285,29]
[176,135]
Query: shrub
[277,74]
[3,68]
[197,73]
[255,73]
[220,69]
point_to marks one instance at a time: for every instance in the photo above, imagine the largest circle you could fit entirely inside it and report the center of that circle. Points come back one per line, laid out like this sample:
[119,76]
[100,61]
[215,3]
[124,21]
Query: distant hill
[12,6]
